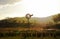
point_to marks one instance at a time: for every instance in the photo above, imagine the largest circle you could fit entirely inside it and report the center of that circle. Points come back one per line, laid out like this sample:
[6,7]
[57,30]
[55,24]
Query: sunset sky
[39,8]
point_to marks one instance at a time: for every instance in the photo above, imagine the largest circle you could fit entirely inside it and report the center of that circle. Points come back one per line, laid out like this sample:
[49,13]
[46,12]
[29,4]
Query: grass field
[29,34]
[17,37]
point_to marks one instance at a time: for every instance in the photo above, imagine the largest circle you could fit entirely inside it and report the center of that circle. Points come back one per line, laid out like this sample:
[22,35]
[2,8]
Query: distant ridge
[46,22]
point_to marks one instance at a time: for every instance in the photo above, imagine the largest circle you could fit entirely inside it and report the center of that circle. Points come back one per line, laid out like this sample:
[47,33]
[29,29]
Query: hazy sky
[18,8]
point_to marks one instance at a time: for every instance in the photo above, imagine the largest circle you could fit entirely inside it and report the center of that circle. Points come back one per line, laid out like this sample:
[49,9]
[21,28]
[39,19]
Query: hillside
[17,22]
[35,22]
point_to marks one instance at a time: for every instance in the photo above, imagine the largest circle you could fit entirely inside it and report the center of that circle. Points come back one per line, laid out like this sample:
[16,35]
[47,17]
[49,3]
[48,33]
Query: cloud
[10,10]
[3,2]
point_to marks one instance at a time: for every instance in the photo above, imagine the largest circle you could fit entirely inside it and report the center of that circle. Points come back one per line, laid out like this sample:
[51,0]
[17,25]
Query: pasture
[29,34]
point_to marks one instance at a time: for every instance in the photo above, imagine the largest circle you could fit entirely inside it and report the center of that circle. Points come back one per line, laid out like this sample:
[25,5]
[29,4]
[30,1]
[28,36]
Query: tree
[56,18]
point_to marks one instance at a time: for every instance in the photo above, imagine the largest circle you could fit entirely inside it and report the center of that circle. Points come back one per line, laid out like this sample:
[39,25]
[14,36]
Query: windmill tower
[28,16]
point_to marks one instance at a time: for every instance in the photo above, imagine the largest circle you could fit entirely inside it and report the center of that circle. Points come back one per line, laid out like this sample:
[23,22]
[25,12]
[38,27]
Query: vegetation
[13,22]
[56,18]
[30,33]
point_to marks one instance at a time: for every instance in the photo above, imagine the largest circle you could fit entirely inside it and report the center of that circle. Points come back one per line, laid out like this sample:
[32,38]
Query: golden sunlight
[41,8]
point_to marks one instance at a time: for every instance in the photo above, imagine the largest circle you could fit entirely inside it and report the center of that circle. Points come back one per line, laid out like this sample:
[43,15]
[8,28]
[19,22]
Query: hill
[35,22]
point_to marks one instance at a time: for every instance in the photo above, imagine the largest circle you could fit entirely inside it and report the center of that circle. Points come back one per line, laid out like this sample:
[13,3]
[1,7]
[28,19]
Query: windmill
[28,16]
